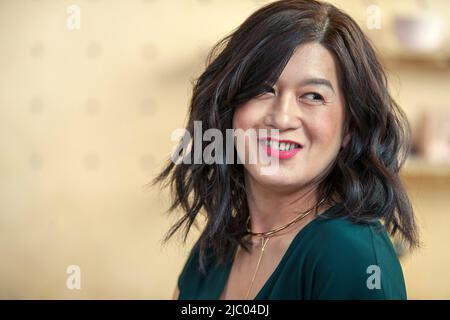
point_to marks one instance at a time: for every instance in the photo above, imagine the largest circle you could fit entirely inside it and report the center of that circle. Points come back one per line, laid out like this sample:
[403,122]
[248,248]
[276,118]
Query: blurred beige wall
[85,122]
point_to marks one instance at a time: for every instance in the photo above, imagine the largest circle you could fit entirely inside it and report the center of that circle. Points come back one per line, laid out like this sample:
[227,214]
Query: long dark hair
[365,175]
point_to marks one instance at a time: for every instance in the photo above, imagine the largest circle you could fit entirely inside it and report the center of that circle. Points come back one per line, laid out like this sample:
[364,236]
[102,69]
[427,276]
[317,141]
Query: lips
[281,148]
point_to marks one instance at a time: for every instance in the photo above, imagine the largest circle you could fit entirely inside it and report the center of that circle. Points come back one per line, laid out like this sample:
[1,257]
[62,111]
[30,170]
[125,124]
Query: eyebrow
[317,81]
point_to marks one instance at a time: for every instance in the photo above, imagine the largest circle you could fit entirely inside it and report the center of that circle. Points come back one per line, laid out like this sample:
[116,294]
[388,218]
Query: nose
[284,114]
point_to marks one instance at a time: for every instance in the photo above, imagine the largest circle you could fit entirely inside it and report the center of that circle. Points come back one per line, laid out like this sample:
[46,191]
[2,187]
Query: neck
[270,208]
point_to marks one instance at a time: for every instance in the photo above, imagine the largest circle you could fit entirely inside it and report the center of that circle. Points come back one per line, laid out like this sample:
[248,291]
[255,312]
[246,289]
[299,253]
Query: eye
[313,97]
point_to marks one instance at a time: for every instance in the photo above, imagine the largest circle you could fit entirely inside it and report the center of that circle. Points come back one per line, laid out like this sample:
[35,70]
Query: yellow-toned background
[85,122]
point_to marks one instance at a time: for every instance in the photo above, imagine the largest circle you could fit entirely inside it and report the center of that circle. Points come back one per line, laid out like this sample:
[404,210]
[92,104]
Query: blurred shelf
[417,167]
[417,60]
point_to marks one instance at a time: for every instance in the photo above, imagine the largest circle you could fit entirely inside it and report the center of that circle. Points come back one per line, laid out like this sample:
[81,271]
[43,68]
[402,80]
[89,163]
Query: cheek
[238,118]
[327,129]
[244,117]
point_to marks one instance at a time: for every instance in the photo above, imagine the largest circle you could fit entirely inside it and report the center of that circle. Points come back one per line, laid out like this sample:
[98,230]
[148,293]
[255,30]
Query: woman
[318,226]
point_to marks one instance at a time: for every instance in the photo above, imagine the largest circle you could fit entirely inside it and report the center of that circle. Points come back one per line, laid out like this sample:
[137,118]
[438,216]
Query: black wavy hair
[364,177]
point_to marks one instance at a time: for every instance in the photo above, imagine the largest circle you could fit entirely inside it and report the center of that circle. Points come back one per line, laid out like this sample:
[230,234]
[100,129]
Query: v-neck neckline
[285,256]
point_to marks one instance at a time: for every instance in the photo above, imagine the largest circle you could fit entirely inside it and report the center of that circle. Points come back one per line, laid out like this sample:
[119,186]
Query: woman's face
[307,108]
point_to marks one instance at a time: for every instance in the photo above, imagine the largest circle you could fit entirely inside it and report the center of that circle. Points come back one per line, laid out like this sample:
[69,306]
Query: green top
[330,258]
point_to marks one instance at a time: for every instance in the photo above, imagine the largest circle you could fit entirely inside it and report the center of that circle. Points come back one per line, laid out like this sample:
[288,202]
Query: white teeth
[281,146]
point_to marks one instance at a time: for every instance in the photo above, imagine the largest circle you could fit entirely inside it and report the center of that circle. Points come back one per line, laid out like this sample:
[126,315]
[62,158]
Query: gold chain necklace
[265,236]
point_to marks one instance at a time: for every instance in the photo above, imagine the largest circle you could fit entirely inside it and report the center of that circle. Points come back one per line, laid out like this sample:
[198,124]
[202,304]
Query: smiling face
[307,106]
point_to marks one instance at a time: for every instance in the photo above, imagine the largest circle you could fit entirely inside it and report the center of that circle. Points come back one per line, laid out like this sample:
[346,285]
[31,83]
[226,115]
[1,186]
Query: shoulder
[333,235]
[193,272]
[190,268]
[353,261]
[339,246]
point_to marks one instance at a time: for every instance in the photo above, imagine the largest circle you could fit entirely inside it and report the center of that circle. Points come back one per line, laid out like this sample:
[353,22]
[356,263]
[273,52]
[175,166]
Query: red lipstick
[280,148]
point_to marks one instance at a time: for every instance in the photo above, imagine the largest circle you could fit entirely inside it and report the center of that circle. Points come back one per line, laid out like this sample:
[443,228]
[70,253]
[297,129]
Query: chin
[281,181]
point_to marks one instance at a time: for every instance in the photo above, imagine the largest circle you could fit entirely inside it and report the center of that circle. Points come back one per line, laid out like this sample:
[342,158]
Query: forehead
[310,60]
